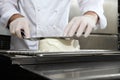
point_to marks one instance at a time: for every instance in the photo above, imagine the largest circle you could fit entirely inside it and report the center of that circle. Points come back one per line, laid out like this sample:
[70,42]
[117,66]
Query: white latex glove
[20,24]
[80,24]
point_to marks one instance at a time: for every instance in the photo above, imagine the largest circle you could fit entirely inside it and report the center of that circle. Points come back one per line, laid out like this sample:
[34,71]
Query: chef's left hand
[81,24]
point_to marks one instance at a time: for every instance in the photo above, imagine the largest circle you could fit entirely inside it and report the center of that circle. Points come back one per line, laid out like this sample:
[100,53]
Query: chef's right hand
[19,24]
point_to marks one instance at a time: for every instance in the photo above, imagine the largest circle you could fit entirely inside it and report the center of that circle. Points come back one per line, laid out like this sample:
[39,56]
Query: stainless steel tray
[65,53]
[37,57]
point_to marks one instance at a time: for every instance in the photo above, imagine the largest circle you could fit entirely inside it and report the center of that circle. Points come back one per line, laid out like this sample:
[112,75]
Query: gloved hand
[20,24]
[80,24]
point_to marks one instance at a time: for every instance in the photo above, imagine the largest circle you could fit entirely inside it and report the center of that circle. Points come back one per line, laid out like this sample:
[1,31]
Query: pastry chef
[49,18]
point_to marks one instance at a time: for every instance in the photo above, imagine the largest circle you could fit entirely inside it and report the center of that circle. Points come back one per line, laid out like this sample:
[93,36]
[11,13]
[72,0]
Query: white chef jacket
[46,17]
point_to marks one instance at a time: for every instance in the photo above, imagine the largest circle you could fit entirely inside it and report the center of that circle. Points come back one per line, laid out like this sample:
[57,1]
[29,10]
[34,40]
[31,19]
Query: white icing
[57,45]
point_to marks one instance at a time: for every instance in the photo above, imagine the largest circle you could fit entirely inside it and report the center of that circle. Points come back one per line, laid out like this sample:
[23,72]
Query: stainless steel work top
[76,65]
[58,54]
[106,70]
[36,57]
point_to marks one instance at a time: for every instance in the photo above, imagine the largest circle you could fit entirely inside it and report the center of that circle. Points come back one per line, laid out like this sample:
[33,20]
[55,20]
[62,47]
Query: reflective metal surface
[53,37]
[4,30]
[59,54]
[106,70]
[82,65]
[84,71]
[37,57]
[101,68]
[99,41]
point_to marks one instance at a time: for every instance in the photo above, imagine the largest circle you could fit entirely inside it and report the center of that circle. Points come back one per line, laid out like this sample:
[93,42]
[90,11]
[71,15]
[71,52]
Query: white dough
[58,45]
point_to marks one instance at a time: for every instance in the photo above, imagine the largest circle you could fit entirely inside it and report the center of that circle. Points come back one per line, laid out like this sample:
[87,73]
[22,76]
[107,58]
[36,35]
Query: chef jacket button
[38,10]
[55,11]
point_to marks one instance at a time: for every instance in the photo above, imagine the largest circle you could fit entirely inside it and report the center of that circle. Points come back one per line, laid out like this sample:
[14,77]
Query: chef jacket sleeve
[7,9]
[95,6]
